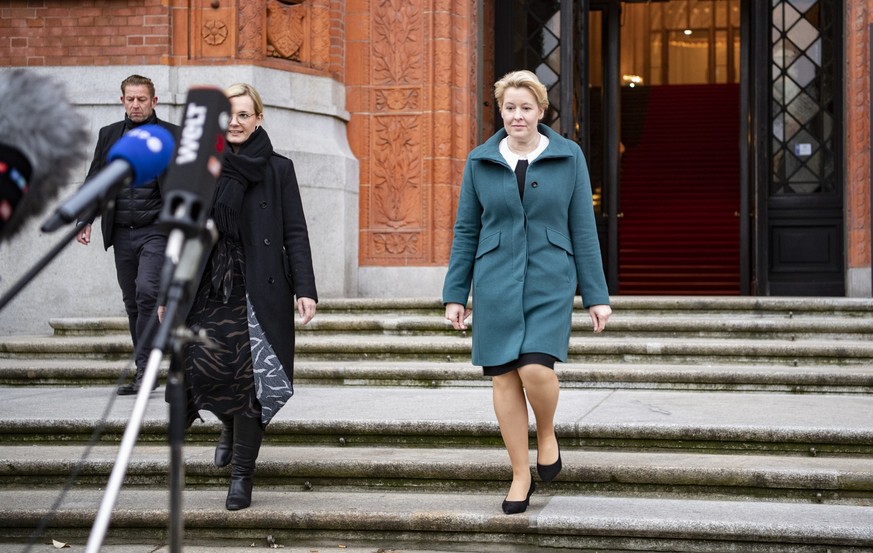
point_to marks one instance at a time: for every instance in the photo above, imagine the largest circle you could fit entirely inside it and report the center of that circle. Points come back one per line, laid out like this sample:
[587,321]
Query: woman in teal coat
[524,239]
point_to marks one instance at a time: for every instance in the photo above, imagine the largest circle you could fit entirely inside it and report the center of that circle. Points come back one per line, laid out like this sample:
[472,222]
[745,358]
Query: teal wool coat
[524,260]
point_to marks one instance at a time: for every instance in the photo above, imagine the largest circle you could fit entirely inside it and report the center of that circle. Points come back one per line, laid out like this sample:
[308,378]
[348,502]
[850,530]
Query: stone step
[636,420]
[624,325]
[570,522]
[844,480]
[751,306]
[621,325]
[845,379]
[334,544]
[587,349]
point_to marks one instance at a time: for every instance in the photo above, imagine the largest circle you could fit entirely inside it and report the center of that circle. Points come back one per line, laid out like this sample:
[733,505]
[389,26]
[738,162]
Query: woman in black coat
[246,298]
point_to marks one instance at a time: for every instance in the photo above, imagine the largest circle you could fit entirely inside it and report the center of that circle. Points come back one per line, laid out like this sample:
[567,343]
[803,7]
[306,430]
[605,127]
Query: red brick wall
[168,32]
[58,32]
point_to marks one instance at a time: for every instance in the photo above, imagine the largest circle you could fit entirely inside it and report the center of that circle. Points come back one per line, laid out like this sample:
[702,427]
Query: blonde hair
[522,79]
[244,89]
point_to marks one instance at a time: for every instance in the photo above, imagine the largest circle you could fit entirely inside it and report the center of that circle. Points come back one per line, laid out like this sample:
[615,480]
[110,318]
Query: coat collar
[490,149]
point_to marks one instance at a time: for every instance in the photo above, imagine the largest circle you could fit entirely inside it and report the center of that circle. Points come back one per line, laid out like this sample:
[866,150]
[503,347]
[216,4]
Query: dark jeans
[139,258]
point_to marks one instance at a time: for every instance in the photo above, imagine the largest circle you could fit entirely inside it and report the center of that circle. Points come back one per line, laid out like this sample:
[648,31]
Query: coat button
[263,205]
[270,280]
[534,184]
[266,241]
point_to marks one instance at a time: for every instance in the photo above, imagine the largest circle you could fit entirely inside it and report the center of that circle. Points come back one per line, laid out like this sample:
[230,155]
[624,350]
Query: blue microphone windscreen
[148,149]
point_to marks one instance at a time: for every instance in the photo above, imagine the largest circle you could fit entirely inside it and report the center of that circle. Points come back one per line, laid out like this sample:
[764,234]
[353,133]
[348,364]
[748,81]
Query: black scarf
[241,169]
[247,167]
[131,124]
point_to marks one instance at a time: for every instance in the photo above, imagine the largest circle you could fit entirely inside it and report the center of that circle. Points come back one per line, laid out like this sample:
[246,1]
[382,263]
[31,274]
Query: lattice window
[803,103]
[537,48]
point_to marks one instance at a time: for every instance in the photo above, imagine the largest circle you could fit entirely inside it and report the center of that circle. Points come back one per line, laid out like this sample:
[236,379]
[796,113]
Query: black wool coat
[146,198]
[278,257]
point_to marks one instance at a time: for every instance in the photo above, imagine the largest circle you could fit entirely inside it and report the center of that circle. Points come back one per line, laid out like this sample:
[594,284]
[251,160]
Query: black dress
[220,374]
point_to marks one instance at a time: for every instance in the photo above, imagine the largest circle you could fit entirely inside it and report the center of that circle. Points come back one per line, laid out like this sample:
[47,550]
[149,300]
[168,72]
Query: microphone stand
[185,259]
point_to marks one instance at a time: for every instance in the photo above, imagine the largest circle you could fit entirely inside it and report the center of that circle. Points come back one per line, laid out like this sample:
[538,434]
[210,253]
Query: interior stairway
[699,424]
[680,190]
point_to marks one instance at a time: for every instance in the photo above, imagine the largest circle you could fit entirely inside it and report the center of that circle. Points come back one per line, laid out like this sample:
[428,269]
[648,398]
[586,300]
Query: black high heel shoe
[515,507]
[549,472]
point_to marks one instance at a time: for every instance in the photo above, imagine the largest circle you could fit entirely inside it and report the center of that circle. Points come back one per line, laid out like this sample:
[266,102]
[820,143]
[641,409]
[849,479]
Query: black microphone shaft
[117,173]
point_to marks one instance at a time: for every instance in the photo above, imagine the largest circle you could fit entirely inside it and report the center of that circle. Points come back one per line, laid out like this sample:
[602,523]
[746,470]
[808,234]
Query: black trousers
[139,258]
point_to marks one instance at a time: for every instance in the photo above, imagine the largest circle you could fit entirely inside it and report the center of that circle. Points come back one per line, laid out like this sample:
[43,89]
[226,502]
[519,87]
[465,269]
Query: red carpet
[680,191]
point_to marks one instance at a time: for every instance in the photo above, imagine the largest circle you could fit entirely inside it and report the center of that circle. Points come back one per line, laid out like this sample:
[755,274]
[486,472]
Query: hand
[84,236]
[162,310]
[457,314]
[306,308]
[599,315]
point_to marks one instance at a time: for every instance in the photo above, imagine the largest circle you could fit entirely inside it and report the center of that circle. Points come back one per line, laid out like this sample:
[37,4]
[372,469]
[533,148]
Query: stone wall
[306,118]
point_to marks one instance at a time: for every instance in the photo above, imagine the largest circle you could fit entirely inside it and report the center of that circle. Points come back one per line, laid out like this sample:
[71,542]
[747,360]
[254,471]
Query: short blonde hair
[244,89]
[522,79]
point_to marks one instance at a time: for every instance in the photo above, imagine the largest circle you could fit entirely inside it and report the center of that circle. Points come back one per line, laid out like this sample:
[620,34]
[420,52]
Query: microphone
[196,166]
[137,158]
[189,191]
[42,140]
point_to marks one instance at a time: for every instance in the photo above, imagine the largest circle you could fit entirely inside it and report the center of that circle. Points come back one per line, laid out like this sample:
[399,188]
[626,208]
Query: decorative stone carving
[319,41]
[397,99]
[397,42]
[285,29]
[413,103]
[251,29]
[396,172]
[396,244]
[214,32]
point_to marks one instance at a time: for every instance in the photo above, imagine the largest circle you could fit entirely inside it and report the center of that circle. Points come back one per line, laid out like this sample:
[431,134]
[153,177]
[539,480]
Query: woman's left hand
[306,308]
[599,315]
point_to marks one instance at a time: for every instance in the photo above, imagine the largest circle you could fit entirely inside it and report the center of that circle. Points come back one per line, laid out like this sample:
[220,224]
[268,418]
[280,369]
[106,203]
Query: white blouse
[512,158]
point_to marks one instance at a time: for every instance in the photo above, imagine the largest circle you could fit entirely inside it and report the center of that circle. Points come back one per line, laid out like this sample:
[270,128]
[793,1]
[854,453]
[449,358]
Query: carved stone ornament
[396,173]
[396,244]
[397,99]
[214,32]
[285,29]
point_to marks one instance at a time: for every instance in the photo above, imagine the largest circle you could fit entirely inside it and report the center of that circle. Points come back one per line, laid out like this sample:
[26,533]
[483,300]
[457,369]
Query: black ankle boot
[224,449]
[247,436]
[135,383]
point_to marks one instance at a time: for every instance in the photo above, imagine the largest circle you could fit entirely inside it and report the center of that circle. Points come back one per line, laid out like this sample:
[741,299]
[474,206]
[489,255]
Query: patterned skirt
[237,373]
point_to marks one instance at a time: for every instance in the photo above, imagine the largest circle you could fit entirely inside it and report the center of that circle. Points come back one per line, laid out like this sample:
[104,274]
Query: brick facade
[297,36]
[55,32]
[859,17]
[413,92]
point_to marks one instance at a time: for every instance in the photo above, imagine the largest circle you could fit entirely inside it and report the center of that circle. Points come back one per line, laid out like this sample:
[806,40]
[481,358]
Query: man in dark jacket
[129,223]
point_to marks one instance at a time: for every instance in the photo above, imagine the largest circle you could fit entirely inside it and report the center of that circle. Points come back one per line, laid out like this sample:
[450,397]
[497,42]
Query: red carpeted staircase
[680,190]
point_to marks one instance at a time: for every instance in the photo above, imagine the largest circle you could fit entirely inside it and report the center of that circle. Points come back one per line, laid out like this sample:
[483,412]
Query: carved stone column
[410,68]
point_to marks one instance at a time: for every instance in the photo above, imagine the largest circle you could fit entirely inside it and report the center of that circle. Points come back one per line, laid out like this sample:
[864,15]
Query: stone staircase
[692,424]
